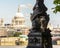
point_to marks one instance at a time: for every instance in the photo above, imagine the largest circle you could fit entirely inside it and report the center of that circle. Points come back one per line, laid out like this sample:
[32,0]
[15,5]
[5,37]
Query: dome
[19,14]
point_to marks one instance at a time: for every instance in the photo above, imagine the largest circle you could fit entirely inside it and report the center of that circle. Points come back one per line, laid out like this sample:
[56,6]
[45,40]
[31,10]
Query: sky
[8,9]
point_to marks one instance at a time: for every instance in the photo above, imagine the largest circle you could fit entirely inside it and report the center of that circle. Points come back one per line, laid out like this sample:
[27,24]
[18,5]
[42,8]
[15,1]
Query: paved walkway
[12,46]
[54,46]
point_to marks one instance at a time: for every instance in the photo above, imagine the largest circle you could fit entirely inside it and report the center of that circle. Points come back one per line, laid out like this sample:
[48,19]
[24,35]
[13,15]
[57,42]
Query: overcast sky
[8,9]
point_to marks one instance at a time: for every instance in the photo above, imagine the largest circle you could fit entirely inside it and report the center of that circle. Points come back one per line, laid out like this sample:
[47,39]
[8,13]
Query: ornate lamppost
[39,36]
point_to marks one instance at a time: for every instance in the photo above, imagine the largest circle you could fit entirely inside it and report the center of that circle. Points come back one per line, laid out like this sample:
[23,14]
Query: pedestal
[35,40]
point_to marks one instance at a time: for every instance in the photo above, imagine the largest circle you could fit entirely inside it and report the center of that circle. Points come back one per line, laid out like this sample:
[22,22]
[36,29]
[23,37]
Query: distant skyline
[8,9]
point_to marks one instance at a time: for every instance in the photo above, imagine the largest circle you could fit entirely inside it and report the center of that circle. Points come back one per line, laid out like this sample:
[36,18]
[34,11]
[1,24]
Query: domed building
[18,22]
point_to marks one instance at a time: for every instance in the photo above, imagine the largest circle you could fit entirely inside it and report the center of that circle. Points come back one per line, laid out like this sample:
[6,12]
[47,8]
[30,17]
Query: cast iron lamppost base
[39,36]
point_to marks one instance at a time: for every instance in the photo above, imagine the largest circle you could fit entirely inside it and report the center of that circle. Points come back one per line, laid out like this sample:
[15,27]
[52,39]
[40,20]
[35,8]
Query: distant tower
[18,8]
[58,26]
[1,22]
[19,19]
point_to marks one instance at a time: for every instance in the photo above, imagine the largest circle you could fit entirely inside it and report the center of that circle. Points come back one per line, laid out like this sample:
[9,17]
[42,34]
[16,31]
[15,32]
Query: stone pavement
[12,46]
[54,46]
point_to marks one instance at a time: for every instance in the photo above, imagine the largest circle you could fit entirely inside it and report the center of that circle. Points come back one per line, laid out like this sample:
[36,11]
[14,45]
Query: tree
[57,7]
[17,34]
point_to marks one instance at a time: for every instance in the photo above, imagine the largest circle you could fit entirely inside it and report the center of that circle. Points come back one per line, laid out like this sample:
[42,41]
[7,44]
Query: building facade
[55,31]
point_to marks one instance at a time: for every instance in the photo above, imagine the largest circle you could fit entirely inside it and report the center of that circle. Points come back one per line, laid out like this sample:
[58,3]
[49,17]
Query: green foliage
[16,34]
[57,7]
[56,2]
